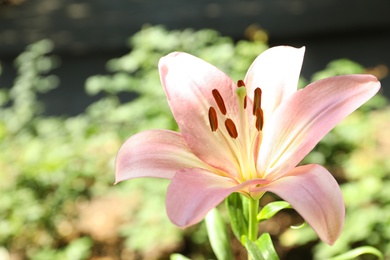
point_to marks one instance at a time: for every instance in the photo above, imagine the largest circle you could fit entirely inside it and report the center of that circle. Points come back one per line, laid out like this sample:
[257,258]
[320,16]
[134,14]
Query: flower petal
[304,119]
[316,196]
[188,83]
[276,71]
[154,153]
[194,192]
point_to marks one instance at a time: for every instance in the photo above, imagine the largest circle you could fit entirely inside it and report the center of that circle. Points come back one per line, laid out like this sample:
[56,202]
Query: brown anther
[240,83]
[213,119]
[219,100]
[259,119]
[256,100]
[245,102]
[231,128]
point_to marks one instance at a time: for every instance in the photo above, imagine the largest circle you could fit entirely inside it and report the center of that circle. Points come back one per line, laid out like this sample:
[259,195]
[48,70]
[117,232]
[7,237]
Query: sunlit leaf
[178,257]
[261,249]
[269,210]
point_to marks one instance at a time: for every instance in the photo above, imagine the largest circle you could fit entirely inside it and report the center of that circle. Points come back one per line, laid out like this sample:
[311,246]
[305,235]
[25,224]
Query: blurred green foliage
[57,199]
[45,173]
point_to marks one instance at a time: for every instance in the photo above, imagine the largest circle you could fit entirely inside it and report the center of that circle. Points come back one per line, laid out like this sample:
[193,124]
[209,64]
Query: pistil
[247,158]
[242,138]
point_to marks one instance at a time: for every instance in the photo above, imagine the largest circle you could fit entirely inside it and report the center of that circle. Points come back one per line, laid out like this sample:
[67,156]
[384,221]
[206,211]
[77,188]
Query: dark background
[90,32]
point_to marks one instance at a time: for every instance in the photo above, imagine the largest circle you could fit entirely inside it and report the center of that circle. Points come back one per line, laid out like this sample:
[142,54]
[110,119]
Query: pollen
[231,128]
[219,100]
[240,83]
[256,101]
[213,119]
[259,119]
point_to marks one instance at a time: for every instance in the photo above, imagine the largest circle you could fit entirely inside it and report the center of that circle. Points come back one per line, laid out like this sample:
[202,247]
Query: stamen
[245,102]
[231,128]
[213,119]
[218,98]
[259,119]
[256,100]
[240,83]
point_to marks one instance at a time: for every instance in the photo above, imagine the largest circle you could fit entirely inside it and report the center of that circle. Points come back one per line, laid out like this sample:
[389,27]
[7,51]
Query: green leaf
[354,253]
[238,219]
[267,247]
[178,257]
[218,235]
[252,248]
[271,209]
[262,249]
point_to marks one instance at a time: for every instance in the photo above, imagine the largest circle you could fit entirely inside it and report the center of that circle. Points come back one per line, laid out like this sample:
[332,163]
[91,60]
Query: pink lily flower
[246,137]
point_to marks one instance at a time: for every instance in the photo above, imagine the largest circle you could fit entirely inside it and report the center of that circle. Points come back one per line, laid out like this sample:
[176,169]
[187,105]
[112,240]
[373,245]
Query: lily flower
[246,137]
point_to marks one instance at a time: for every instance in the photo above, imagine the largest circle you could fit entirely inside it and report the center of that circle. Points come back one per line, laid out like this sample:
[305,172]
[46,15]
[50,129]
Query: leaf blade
[270,210]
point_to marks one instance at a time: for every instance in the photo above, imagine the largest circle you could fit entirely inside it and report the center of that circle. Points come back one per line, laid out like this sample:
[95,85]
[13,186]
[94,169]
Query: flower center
[242,132]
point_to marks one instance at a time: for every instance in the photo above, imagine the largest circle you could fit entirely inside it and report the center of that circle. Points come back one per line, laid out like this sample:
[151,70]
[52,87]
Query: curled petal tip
[316,196]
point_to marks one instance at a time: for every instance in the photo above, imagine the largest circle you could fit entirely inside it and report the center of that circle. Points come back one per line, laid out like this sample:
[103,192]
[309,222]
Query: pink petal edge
[276,71]
[316,196]
[304,119]
[194,192]
[154,153]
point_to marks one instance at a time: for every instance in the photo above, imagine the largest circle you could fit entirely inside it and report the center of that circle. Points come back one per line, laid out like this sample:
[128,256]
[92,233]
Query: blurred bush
[57,198]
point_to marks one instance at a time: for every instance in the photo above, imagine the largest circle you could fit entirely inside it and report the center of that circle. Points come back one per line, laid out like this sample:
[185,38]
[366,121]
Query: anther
[231,128]
[259,119]
[218,98]
[256,100]
[213,119]
[240,83]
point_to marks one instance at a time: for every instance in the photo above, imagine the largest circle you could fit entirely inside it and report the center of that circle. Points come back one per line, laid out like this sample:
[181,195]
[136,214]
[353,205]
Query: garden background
[79,77]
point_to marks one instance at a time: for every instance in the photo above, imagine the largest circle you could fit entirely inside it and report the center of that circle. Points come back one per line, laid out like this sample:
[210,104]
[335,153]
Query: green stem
[253,227]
